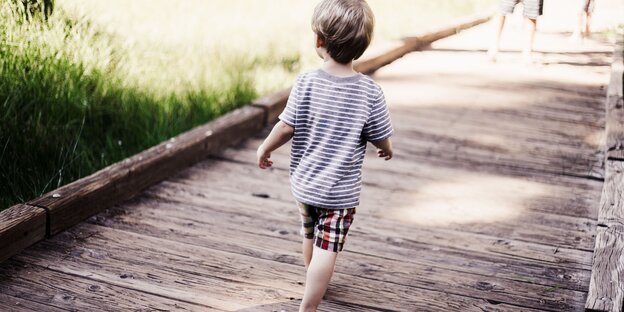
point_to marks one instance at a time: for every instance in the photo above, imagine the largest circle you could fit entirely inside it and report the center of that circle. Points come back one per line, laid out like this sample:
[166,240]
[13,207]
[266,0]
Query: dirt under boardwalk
[489,205]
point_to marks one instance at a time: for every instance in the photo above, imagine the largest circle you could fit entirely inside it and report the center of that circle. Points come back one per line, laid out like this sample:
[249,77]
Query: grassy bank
[102,80]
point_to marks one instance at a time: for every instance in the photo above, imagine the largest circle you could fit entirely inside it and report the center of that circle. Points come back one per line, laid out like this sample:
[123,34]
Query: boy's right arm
[384,148]
[280,134]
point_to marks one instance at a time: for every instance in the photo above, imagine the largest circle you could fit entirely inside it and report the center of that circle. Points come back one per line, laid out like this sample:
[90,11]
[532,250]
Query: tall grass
[99,81]
[66,111]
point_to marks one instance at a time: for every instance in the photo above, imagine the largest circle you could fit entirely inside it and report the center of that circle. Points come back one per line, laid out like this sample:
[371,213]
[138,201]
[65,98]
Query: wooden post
[606,288]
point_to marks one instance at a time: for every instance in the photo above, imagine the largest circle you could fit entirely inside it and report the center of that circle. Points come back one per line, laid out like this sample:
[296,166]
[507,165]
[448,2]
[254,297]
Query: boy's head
[345,28]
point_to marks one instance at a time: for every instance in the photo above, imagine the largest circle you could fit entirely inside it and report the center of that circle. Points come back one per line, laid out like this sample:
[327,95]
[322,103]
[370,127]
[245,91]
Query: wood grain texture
[281,242]
[606,290]
[440,269]
[229,281]
[529,226]
[14,304]
[58,291]
[76,201]
[615,104]
[20,227]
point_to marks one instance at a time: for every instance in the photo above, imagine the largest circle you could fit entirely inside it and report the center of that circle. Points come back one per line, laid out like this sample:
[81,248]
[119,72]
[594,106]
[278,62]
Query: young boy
[331,113]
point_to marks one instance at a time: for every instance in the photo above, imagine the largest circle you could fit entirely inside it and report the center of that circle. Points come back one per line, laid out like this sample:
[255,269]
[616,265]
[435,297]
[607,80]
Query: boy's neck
[337,69]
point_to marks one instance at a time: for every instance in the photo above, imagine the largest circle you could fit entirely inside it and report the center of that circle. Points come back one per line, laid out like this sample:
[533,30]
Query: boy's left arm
[280,134]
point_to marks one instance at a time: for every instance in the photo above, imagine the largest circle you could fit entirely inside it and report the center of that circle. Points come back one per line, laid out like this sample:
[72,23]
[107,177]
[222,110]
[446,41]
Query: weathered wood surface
[491,204]
[77,201]
[20,227]
[615,104]
[14,304]
[41,286]
[606,289]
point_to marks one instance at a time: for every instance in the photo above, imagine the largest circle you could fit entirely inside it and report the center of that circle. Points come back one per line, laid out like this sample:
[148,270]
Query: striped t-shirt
[333,118]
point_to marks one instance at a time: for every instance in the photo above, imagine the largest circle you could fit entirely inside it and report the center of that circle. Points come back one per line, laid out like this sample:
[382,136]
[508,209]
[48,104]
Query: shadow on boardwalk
[489,205]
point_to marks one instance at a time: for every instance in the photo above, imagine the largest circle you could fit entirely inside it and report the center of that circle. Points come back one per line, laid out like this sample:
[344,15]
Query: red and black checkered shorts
[328,227]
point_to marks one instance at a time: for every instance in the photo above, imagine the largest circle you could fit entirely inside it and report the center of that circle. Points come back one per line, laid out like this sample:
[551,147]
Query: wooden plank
[175,270]
[282,243]
[606,290]
[203,269]
[615,127]
[20,227]
[550,229]
[439,237]
[76,201]
[14,304]
[405,233]
[611,211]
[58,291]
[615,104]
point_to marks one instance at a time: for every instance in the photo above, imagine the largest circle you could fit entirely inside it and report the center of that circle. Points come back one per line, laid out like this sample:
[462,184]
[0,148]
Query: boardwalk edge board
[20,226]
[274,104]
[25,224]
[606,288]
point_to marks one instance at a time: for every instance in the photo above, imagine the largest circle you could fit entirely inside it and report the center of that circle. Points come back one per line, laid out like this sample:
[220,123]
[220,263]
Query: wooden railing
[606,288]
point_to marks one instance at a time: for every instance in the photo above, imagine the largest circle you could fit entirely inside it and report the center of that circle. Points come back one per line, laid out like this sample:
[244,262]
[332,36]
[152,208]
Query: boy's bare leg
[307,251]
[499,23]
[317,278]
[531,25]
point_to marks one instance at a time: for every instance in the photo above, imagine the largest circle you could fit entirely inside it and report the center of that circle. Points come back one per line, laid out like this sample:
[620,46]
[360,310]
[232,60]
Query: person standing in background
[582,27]
[532,9]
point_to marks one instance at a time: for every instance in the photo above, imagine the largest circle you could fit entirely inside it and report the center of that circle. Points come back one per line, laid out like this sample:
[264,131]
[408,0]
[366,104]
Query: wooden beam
[77,201]
[615,105]
[20,227]
[606,288]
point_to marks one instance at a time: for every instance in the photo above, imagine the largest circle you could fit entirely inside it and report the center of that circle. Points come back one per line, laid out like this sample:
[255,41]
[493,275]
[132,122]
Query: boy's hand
[387,154]
[263,158]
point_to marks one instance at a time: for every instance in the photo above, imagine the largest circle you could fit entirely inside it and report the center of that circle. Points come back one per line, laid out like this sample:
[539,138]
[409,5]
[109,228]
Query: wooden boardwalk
[490,204]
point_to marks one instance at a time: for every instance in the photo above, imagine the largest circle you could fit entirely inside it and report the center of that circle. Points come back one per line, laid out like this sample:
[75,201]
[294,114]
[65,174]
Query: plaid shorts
[328,227]
[532,8]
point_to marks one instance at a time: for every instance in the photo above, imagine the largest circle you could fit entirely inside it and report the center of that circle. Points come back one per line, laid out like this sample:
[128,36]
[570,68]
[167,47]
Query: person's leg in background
[506,7]
[532,9]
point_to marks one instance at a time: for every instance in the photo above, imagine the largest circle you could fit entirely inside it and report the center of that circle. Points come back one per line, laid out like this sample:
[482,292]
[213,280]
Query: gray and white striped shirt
[333,118]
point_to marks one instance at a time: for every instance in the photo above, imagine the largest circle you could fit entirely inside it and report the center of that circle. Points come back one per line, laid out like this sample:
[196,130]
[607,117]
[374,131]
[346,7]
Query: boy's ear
[319,42]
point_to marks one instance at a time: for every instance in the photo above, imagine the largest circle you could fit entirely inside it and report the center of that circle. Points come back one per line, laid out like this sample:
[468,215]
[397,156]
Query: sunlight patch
[468,198]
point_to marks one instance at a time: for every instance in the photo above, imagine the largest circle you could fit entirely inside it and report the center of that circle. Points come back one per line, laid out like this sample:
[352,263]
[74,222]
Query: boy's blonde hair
[345,26]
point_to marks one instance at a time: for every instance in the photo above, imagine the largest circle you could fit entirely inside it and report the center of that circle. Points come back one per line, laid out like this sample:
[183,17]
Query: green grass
[102,80]
[66,111]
